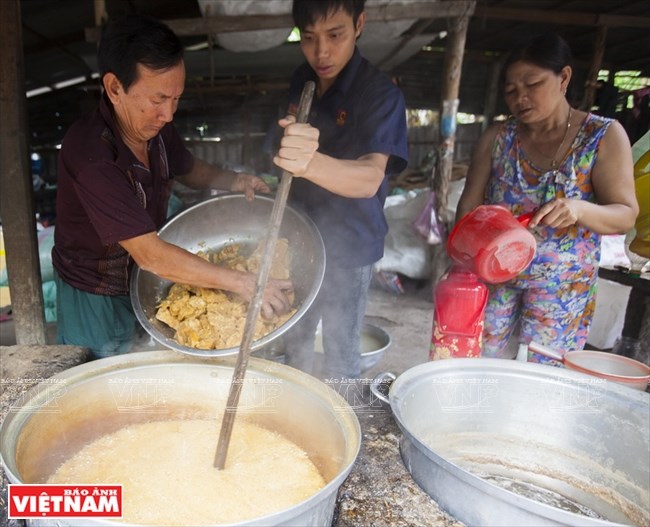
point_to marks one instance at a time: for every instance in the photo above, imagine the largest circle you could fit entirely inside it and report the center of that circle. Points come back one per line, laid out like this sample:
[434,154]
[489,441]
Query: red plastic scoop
[492,243]
[524,219]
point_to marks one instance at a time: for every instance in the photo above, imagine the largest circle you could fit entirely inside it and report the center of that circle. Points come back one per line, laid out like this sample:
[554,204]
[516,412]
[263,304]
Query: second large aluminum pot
[53,421]
[499,442]
[217,223]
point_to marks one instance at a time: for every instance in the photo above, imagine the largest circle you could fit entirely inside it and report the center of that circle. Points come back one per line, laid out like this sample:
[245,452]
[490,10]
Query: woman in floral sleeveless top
[575,170]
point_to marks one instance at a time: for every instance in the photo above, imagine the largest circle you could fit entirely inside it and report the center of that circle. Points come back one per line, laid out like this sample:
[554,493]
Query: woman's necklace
[554,159]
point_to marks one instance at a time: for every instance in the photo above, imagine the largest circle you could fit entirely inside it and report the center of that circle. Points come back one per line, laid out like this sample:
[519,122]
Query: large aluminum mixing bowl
[221,221]
[54,420]
[498,442]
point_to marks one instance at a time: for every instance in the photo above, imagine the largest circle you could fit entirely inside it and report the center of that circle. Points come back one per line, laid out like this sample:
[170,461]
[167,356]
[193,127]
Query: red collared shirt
[105,195]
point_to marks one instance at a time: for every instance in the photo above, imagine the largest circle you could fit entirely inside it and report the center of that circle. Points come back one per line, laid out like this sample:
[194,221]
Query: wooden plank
[16,208]
[563,18]
[380,13]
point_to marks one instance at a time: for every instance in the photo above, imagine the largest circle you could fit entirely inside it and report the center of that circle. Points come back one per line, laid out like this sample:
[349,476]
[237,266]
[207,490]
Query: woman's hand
[558,214]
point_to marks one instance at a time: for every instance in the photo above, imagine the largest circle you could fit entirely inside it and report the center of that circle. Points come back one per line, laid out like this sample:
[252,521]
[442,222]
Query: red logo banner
[64,501]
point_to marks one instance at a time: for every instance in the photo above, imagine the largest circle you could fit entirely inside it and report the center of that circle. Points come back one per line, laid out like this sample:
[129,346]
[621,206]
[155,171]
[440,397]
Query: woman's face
[532,93]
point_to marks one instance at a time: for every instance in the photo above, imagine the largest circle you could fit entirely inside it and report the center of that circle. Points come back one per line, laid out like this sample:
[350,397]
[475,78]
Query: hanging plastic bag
[428,224]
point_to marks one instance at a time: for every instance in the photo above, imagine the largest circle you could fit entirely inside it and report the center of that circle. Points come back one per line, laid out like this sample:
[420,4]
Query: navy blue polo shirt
[362,113]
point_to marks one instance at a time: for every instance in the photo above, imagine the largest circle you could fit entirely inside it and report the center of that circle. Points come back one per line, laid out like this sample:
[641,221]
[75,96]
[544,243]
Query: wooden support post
[247,153]
[596,64]
[16,199]
[448,108]
[491,95]
[212,44]
[100,12]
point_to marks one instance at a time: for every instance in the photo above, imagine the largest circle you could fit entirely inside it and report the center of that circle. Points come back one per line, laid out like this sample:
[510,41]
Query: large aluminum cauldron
[221,221]
[53,421]
[499,442]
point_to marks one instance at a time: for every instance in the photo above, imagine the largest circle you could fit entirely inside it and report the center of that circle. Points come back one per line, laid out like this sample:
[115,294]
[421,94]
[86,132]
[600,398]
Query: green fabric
[104,324]
[49,300]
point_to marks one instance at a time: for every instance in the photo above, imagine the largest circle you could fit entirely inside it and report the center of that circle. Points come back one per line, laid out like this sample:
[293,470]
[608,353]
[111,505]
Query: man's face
[329,43]
[150,102]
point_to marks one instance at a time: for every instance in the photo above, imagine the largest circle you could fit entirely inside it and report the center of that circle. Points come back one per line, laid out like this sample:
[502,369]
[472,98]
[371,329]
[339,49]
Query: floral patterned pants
[557,315]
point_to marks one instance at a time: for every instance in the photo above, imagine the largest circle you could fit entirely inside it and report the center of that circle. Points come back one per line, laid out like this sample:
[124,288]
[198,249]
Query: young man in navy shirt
[356,137]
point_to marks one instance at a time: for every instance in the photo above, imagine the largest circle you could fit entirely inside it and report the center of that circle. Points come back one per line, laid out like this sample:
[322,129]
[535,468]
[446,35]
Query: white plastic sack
[609,315]
[45,238]
[405,251]
[612,251]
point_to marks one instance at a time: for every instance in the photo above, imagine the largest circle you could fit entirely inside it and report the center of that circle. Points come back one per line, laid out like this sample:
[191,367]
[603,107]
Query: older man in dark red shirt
[115,173]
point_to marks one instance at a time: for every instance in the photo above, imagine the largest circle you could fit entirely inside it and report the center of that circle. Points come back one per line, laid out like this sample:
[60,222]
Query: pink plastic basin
[610,366]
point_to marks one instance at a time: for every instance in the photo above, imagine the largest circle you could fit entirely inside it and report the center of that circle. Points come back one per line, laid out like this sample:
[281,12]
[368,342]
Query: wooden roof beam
[59,46]
[381,13]
[566,18]
[641,44]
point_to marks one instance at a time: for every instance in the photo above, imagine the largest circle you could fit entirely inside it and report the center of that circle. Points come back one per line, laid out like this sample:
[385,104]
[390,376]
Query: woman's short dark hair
[137,39]
[549,51]
[307,12]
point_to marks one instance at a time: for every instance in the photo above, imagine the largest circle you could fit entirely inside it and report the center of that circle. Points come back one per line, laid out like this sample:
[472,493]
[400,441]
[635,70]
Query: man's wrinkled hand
[276,298]
[249,185]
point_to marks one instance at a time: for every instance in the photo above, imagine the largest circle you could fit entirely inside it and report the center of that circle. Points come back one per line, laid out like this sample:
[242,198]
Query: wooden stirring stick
[255,306]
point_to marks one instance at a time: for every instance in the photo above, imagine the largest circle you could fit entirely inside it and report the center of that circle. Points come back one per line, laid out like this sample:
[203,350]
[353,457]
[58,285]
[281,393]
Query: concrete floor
[407,318]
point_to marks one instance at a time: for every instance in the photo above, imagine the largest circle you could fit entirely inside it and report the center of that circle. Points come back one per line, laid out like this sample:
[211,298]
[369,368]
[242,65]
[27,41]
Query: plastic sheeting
[248,40]
[379,39]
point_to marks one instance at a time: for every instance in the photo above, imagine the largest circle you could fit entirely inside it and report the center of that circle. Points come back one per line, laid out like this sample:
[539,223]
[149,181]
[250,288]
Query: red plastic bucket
[459,304]
[492,243]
